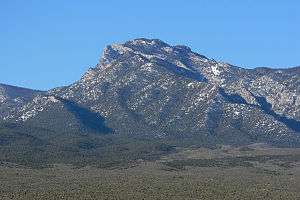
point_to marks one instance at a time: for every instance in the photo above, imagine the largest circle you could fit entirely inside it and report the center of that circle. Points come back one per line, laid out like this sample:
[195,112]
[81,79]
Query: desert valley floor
[249,172]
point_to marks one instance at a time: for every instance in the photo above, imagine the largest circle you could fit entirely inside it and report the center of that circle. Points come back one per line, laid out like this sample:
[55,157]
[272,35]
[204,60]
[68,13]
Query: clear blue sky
[49,43]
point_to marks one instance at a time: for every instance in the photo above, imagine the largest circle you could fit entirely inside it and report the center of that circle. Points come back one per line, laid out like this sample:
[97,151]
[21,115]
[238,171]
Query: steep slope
[147,87]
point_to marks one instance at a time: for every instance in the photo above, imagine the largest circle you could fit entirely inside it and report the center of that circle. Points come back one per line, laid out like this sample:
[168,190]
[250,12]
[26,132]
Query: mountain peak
[141,46]
[112,52]
[144,42]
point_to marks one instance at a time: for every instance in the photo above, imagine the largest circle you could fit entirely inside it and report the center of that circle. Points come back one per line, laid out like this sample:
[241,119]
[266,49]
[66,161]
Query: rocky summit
[148,87]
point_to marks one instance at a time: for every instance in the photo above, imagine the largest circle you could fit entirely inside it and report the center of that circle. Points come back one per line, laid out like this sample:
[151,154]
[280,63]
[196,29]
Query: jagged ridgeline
[144,98]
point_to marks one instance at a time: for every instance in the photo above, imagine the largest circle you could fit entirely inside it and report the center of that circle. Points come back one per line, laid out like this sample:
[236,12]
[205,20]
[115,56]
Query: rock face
[146,86]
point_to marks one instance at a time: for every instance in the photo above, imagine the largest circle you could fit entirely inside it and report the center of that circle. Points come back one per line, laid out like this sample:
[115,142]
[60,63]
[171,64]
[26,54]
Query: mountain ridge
[148,86]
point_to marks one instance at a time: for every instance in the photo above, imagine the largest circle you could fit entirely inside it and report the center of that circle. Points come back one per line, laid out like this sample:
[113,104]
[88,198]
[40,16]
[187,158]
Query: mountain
[148,88]
[12,98]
